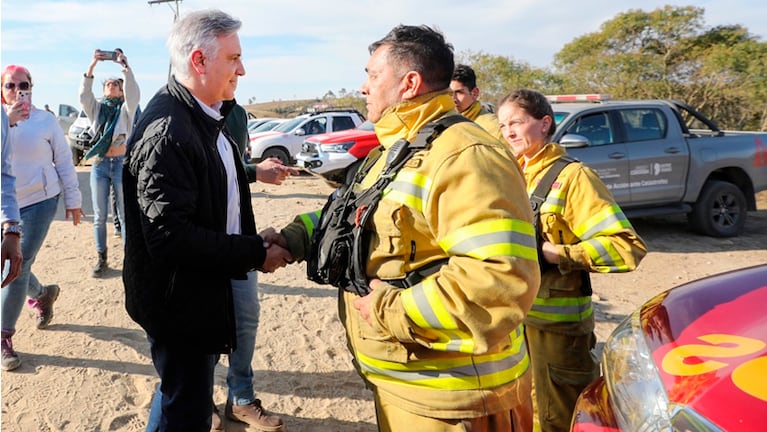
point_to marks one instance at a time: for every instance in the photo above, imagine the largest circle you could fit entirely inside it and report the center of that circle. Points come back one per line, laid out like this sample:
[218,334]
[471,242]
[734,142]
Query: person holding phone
[112,118]
[42,164]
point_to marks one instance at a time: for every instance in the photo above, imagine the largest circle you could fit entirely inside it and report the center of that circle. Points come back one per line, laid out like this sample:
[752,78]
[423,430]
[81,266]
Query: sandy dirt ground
[91,369]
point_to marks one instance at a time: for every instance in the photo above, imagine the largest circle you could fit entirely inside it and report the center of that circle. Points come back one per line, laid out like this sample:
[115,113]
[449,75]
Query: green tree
[497,75]
[669,53]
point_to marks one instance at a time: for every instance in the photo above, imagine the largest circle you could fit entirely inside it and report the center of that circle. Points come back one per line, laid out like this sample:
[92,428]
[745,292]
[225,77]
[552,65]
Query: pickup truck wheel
[720,210]
[278,153]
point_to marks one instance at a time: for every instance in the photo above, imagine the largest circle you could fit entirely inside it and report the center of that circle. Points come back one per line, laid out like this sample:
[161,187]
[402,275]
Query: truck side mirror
[574,141]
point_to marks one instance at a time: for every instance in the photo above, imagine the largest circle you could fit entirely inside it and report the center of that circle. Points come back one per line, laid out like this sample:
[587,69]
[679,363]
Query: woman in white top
[42,163]
[112,118]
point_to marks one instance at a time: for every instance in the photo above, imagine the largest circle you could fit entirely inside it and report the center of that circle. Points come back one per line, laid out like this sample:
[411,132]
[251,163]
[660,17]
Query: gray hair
[198,30]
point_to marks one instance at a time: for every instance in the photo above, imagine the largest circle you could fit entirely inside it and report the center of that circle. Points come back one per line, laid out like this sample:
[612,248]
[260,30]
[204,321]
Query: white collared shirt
[227,157]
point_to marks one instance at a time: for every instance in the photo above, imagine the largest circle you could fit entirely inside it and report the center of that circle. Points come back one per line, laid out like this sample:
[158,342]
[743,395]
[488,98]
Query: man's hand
[76,214]
[276,257]
[272,171]
[362,304]
[11,251]
[271,236]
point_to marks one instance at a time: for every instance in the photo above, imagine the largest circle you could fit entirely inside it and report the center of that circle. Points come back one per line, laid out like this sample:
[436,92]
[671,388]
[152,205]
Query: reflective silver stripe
[465,247]
[471,370]
[606,225]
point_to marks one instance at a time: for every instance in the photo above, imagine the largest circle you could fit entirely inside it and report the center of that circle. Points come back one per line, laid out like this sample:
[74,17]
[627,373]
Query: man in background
[466,98]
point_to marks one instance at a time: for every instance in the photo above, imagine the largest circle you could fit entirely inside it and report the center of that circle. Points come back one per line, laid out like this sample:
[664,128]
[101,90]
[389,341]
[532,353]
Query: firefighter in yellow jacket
[466,98]
[448,353]
[582,230]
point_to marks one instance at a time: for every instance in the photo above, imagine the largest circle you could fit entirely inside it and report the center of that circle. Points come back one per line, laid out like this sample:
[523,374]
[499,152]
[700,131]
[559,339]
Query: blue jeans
[35,220]
[106,172]
[239,377]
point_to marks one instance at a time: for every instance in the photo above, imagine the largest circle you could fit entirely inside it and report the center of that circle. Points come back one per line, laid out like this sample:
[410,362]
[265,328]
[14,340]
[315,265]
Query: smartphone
[107,55]
[24,96]
[6,268]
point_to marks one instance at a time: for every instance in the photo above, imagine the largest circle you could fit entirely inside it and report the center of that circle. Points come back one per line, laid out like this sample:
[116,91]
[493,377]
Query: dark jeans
[186,379]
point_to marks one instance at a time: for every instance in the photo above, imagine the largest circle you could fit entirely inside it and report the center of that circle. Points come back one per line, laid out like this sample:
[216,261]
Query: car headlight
[342,147]
[635,387]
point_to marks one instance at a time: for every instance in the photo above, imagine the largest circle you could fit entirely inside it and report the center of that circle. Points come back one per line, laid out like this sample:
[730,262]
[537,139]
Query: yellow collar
[406,118]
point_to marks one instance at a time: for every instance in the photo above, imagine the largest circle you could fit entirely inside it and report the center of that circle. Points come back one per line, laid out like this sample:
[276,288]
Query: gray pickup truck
[661,157]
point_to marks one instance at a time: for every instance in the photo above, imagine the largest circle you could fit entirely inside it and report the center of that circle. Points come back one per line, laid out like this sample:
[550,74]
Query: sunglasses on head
[22,85]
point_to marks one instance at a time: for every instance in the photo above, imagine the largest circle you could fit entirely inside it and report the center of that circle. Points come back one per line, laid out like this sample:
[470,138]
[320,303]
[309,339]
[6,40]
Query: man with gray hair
[190,231]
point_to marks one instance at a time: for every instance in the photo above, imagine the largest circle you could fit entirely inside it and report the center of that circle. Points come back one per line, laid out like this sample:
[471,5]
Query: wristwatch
[13,229]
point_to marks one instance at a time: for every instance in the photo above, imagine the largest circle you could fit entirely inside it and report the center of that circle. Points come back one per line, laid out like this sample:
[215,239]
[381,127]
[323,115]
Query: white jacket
[42,161]
[91,105]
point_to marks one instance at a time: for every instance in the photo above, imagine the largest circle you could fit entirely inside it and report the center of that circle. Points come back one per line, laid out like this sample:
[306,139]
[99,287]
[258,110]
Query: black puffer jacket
[178,258]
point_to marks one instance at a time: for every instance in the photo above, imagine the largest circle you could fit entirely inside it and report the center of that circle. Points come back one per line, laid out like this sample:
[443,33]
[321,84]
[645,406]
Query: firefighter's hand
[362,304]
[550,252]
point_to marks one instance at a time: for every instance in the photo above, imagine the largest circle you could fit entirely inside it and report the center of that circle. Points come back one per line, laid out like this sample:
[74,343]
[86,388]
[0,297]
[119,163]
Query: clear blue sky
[301,49]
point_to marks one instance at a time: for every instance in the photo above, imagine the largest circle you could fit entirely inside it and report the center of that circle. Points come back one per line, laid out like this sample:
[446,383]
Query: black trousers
[186,382]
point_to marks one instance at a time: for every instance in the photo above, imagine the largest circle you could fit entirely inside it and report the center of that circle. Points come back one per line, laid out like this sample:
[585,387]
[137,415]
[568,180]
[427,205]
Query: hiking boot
[101,265]
[254,415]
[44,305]
[10,360]
[216,423]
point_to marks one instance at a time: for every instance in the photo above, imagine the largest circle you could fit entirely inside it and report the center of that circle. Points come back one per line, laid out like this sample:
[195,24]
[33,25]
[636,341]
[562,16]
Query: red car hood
[341,136]
[709,342]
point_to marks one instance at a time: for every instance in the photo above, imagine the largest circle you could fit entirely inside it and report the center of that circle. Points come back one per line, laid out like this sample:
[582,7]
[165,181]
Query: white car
[331,155]
[256,122]
[284,141]
[79,137]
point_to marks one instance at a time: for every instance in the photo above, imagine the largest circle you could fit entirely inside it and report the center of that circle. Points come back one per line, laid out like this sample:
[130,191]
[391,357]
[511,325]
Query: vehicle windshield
[289,125]
[559,116]
[266,126]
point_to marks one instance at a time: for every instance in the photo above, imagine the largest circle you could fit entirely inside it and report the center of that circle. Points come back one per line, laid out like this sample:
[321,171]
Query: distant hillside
[290,108]
[281,108]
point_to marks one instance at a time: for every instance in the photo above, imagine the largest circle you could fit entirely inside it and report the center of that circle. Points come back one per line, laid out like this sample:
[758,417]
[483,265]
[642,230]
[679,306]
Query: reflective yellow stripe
[410,189]
[424,306]
[498,237]
[310,221]
[606,258]
[554,202]
[608,221]
[562,309]
[465,373]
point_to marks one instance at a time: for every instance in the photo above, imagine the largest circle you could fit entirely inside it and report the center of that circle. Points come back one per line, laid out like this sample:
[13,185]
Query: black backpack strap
[367,202]
[536,200]
[539,194]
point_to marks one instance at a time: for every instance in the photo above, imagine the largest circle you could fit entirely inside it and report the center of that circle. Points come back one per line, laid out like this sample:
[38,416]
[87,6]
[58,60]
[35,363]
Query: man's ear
[413,85]
[198,61]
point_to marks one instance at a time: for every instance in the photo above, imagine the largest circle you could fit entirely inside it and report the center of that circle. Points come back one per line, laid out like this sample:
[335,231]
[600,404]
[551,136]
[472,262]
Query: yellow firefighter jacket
[451,346]
[484,117]
[591,232]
